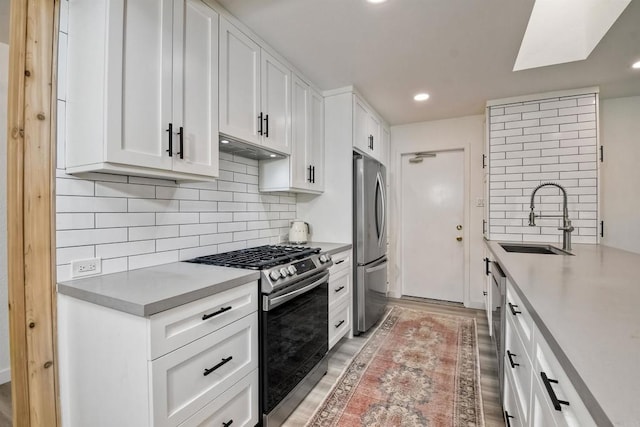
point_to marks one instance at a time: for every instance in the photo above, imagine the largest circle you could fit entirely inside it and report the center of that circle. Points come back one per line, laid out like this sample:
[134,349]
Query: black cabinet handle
[486,266]
[339,262]
[215,313]
[227,424]
[552,394]
[313,174]
[339,323]
[170,130]
[506,417]
[339,289]
[224,362]
[266,119]
[260,120]
[181,134]
[512,307]
[309,169]
[372,142]
[511,362]
[484,293]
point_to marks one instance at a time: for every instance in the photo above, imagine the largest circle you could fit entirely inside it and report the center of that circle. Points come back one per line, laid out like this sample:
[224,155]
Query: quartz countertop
[586,307]
[148,291]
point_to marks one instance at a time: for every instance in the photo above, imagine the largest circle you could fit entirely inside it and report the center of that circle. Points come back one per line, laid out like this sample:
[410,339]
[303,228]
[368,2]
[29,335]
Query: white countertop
[587,308]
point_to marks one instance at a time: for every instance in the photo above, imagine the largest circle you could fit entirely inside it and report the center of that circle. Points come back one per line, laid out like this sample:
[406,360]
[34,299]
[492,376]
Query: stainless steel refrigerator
[370,242]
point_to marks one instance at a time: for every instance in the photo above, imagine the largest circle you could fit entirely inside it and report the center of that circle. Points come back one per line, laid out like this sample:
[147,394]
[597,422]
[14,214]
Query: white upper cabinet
[255,92]
[303,171]
[369,135]
[150,66]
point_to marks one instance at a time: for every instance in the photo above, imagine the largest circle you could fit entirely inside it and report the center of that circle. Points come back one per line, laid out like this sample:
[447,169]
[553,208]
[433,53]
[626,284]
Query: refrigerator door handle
[376,268]
[380,223]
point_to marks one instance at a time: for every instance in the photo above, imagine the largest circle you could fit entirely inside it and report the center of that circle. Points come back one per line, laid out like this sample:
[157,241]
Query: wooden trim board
[30,186]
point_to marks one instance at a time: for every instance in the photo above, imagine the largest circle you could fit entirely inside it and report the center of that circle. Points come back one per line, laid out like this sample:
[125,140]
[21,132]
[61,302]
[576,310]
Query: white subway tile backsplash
[214,239]
[90,204]
[107,220]
[198,206]
[149,260]
[217,196]
[74,221]
[114,250]
[153,205]
[226,247]
[177,243]
[232,226]
[232,186]
[115,265]
[551,140]
[168,218]
[113,189]
[231,206]
[198,229]
[177,193]
[206,217]
[74,187]
[151,181]
[66,255]
[66,238]
[156,232]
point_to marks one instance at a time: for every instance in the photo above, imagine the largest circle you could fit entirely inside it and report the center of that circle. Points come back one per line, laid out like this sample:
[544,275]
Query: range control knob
[284,272]
[292,270]
[323,258]
[328,257]
[274,275]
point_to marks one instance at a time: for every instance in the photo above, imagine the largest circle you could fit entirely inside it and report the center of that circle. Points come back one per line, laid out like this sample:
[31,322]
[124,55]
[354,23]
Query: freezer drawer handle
[224,362]
[513,310]
[552,394]
[227,424]
[511,362]
[339,289]
[339,262]
[215,313]
[506,417]
[338,324]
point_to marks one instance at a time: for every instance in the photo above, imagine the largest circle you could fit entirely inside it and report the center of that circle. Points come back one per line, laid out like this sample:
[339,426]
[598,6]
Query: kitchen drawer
[513,414]
[541,409]
[573,414]
[339,323]
[174,328]
[339,287]
[237,406]
[521,318]
[516,360]
[182,381]
[341,261]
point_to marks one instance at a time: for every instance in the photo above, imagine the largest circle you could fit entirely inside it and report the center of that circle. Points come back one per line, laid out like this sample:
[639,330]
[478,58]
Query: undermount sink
[533,249]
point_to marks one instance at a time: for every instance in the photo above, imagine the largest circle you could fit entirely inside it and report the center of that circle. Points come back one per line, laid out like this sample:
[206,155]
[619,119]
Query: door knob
[458,227]
[459,238]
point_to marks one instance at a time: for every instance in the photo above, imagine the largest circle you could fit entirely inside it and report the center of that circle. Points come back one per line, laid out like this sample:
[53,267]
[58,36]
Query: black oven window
[295,340]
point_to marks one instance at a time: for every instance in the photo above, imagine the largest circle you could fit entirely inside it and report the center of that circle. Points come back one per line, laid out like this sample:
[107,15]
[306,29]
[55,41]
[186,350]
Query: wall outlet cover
[86,267]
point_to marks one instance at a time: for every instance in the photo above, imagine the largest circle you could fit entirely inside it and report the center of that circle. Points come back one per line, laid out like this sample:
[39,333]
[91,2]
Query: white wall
[4,314]
[463,132]
[620,172]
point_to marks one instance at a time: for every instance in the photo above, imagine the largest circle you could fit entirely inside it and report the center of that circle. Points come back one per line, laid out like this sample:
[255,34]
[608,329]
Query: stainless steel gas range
[293,321]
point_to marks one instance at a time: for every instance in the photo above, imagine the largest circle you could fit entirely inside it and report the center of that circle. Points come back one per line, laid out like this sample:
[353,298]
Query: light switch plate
[86,267]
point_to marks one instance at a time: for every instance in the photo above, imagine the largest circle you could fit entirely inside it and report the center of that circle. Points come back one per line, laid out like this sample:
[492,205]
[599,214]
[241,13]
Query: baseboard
[5,375]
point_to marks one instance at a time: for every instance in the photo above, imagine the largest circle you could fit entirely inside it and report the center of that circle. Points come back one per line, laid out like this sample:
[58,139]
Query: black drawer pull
[266,119]
[486,267]
[339,289]
[227,424]
[260,120]
[224,362]
[511,362]
[339,323]
[181,134]
[552,394]
[506,417]
[215,313]
[170,130]
[512,307]
[309,168]
[339,262]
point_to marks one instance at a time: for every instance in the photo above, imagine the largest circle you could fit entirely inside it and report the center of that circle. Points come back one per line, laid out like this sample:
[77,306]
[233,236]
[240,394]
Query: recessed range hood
[244,149]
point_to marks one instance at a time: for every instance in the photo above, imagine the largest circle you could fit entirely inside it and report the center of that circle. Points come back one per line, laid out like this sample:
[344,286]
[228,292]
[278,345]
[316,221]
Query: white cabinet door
[239,84]
[139,84]
[316,141]
[195,104]
[276,104]
[385,140]
[361,126]
[299,164]
[373,125]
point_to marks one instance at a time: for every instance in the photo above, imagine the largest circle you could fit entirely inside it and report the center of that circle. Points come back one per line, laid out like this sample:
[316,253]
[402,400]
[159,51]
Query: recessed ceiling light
[224,141]
[636,65]
[272,155]
[376,1]
[421,97]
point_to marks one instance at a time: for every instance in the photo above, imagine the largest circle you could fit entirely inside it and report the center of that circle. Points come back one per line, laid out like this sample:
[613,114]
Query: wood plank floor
[5,405]
[343,352]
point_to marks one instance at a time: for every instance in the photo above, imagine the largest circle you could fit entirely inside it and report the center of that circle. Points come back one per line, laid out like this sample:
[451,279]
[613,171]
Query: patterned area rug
[417,369]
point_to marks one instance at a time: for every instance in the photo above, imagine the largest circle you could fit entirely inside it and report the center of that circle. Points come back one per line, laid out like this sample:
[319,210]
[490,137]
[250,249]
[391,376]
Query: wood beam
[30,184]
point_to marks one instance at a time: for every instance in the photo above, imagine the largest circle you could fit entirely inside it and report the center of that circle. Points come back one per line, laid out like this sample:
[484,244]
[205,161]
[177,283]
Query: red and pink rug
[417,369]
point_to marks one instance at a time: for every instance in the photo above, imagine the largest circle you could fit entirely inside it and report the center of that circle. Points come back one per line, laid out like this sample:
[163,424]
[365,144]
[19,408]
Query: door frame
[31,211]
[435,148]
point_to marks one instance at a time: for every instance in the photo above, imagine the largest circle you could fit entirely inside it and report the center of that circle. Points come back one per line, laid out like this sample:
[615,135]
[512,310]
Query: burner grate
[258,258]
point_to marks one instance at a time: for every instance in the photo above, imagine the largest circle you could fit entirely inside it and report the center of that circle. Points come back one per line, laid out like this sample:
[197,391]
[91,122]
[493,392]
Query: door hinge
[601,153]
[484,161]
[601,228]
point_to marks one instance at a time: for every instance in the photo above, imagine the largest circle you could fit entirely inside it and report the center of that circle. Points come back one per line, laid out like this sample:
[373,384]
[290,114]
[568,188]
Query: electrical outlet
[86,267]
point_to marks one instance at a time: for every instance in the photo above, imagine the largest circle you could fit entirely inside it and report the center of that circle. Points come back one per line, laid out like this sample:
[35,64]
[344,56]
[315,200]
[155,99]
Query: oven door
[294,337]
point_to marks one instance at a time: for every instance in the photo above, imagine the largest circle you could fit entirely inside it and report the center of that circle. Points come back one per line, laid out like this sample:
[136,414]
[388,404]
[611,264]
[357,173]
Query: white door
[239,84]
[140,102]
[300,172]
[196,88]
[316,140]
[276,104]
[432,234]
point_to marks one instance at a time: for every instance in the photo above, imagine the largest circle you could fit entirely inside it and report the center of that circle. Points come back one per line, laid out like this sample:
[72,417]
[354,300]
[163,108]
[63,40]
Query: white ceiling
[460,51]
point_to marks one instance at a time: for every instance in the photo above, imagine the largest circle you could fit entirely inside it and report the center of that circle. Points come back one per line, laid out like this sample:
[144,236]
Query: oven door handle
[273,303]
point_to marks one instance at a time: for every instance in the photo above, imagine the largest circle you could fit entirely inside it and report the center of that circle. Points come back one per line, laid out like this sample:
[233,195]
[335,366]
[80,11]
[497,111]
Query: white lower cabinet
[196,364]
[340,297]
[537,391]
